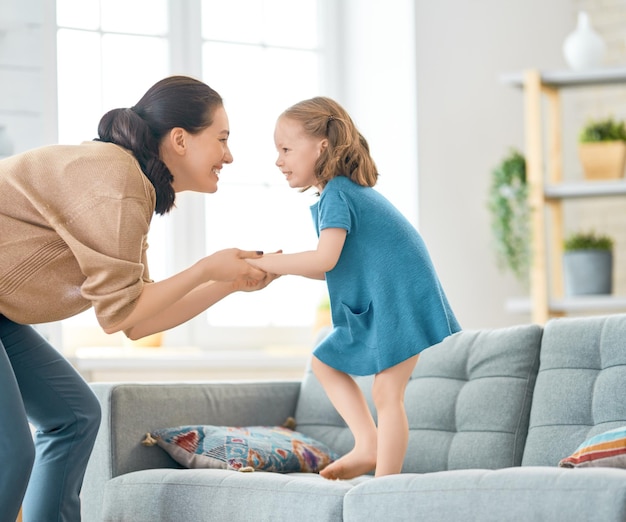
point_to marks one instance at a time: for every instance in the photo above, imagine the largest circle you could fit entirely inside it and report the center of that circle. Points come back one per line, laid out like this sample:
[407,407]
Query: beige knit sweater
[73,226]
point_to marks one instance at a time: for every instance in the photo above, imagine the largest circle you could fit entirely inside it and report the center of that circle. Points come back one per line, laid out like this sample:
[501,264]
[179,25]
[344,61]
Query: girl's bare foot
[351,465]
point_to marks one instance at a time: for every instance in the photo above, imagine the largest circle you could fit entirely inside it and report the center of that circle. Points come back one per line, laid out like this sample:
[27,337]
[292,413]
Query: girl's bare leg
[349,401]
[393,426]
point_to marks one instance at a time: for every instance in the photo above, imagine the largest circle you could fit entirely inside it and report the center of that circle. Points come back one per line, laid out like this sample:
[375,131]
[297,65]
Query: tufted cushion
[580,388]
[468,402]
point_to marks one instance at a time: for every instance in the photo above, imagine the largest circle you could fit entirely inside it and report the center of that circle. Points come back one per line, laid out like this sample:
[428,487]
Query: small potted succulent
[588,264]
[602,149]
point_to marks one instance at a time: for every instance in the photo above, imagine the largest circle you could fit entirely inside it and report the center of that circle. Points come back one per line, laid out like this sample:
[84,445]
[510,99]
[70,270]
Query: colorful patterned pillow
[604,450]
[264,448]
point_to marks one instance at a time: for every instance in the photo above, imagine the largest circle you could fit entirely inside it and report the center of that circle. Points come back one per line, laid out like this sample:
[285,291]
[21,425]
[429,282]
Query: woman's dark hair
[176,101]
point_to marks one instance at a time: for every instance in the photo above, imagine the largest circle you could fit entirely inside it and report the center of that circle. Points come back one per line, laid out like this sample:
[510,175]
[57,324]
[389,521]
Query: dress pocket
[358,321]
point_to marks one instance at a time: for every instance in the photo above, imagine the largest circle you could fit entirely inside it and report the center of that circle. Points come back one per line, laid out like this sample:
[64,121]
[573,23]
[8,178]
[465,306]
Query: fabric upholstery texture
[583,372]
[222,495]
[469,398]
[504,495]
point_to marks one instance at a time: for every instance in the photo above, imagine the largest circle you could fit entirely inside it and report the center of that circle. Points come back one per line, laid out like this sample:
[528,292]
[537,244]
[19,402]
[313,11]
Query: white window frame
[380,94]
[353,75]
[189,237]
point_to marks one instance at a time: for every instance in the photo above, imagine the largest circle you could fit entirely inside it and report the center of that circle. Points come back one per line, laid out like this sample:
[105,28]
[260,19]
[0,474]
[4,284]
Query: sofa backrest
[581,386]
[468,402]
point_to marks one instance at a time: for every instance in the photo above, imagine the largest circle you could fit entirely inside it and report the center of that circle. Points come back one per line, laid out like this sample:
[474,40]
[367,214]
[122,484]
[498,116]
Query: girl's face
[297,153]
[199,157]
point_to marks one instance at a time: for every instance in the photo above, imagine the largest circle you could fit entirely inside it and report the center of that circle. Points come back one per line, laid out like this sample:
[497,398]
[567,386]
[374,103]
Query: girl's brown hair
[176,101]
[347,153]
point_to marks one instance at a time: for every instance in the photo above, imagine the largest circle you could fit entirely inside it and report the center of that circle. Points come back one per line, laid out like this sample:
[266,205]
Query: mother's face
[195,160]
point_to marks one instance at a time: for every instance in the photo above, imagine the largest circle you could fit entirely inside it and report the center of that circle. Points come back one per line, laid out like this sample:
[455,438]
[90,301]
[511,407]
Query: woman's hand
[230,265]
[178,298]
[251,285]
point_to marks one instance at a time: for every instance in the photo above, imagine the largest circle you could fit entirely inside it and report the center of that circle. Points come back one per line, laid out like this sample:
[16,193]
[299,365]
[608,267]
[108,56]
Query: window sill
[188,363]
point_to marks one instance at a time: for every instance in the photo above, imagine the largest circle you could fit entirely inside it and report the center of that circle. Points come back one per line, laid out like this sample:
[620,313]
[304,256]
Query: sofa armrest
[130,410]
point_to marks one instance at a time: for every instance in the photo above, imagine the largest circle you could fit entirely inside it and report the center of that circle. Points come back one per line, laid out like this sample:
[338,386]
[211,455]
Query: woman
[73,228]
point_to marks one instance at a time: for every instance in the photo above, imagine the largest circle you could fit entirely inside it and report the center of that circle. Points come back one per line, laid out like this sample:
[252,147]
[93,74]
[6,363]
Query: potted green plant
[588,264]
[602,149]
[510,215]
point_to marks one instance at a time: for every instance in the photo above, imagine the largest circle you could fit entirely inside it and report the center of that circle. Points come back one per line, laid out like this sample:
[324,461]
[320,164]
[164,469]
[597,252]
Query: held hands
[250,285]
[230,265]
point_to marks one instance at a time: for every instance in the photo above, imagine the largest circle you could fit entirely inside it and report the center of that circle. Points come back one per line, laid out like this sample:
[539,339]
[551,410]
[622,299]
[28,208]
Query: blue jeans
[38,385]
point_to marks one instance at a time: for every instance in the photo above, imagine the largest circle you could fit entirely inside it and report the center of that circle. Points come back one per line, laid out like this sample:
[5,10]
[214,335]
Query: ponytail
[126,128]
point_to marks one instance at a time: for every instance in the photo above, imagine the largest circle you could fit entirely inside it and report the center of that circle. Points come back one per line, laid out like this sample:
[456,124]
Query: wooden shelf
[579,304]
[548,189]
[585,189]
[561,79]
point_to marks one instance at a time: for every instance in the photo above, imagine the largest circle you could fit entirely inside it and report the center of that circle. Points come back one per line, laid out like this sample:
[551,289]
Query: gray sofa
[491,414]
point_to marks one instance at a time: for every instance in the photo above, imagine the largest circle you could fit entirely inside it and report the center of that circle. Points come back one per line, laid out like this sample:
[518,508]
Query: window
[108,53]
[261,58]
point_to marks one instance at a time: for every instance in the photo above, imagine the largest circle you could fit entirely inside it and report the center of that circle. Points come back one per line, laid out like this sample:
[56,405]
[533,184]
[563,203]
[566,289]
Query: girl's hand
[230,265]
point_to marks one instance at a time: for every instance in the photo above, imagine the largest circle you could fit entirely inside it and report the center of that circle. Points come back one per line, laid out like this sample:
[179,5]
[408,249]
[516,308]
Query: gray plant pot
[588,272]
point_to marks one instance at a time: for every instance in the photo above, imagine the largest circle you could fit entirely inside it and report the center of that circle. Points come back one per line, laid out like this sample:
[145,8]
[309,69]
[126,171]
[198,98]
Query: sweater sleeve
[108,240]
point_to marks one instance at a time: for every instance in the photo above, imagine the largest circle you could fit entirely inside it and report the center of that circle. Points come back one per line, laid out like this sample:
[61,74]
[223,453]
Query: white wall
[377,88]
[27,65]
[28,82]
[467,122]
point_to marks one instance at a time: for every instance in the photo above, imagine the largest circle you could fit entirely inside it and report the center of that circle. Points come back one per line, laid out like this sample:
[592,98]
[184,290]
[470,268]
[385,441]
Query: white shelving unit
[548,191]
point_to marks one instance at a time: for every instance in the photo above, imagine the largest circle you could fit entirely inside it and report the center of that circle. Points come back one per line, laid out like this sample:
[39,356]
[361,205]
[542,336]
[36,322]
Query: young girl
[386,300]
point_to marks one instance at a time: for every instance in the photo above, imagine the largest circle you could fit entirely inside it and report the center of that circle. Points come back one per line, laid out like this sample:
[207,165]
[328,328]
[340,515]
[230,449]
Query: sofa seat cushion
[218,495]
[580,388]
[511,494]
[467,402]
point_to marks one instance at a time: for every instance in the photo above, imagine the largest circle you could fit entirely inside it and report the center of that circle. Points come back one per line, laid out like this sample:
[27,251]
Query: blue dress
[387,303]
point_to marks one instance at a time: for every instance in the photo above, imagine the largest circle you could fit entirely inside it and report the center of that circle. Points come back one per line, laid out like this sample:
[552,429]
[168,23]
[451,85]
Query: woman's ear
[177,140]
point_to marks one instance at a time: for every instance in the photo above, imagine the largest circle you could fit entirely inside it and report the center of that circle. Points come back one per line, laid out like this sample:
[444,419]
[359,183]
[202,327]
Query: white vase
[6,145]
[584,48]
